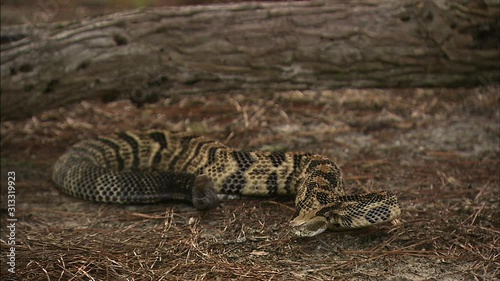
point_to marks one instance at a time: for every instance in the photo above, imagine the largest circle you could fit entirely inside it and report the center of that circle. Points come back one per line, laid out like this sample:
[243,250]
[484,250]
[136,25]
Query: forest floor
[437,149]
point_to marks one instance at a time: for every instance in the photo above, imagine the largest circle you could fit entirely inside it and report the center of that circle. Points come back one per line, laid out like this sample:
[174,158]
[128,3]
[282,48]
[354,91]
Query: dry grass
[438,149]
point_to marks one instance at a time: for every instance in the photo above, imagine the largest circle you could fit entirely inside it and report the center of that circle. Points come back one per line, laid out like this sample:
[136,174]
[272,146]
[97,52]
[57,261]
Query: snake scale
[157,165]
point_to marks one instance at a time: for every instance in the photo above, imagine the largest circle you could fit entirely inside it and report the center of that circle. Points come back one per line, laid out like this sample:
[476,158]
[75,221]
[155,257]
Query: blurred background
[22,11]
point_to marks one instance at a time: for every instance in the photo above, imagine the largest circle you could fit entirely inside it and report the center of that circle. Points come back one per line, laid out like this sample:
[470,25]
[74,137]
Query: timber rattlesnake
[155,165]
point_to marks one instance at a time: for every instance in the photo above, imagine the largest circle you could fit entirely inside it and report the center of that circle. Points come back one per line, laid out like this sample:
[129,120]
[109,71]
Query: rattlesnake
[155,165]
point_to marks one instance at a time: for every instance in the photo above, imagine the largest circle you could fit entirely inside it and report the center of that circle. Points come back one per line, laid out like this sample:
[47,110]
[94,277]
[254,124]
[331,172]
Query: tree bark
[250,47]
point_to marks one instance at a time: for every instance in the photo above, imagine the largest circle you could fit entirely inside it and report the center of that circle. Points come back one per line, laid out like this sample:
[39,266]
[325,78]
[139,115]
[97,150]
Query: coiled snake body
[157,165]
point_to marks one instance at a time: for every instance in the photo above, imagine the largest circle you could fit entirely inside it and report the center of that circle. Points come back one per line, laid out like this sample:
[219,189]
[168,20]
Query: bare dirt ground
[438,149]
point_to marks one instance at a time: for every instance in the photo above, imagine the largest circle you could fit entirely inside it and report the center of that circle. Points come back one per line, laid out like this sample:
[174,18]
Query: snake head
[348,212]
[309,224]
